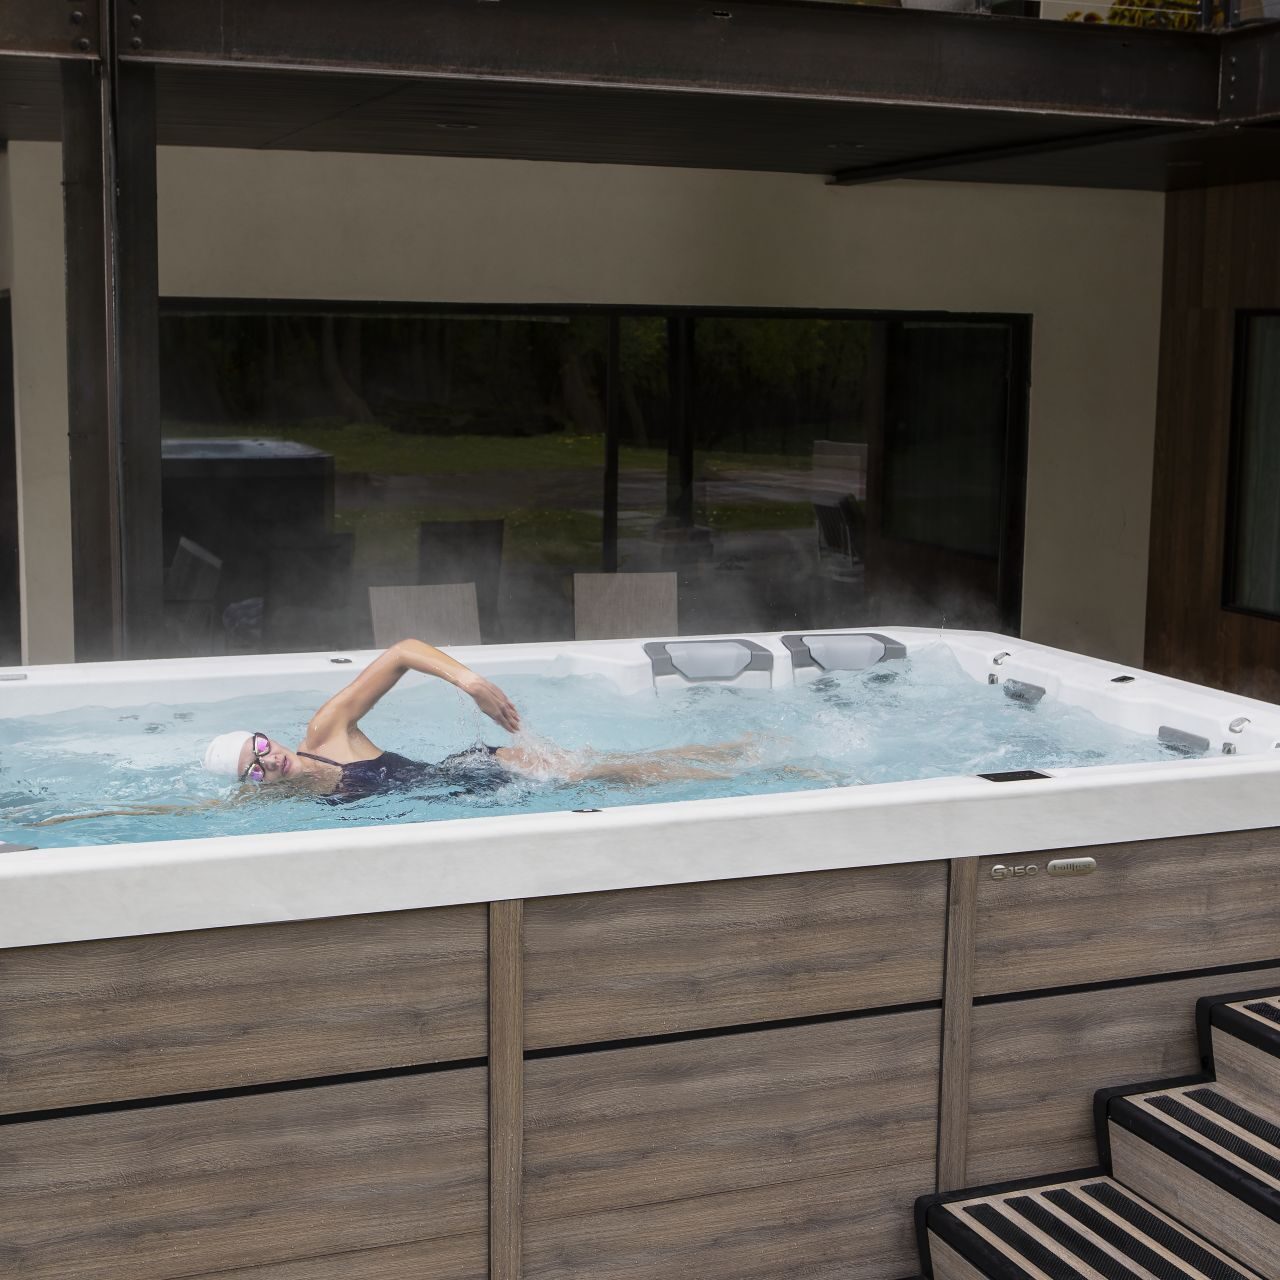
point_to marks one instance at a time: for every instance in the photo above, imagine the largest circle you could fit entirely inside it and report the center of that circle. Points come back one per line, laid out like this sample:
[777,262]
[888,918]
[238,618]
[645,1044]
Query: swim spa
[737,1035]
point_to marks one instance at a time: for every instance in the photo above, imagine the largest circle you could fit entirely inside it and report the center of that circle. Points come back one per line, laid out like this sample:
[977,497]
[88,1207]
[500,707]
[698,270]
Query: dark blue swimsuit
[475,771]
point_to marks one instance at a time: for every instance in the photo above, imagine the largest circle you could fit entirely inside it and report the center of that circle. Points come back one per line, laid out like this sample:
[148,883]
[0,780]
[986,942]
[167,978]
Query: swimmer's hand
[492,701]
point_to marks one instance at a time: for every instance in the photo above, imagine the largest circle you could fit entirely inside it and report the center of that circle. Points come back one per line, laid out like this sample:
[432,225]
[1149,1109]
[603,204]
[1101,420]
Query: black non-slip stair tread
[1066,1236]
[1237,1113]
[1236,1177]
[1269,1011]
[1251,1153]
[1147,1226]
[1054,1265]
[1088,1210]
[1248,1017]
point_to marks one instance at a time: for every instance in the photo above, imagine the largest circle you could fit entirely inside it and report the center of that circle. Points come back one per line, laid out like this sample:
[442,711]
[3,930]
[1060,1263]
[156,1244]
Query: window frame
[1244,318]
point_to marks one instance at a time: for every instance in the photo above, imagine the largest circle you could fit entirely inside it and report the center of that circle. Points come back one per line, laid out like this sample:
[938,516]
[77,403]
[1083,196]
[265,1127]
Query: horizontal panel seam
[738,1028]
[1111,984]
[240,1091]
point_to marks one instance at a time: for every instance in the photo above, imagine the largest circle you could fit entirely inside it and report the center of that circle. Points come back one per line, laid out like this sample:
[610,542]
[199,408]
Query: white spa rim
[72,894]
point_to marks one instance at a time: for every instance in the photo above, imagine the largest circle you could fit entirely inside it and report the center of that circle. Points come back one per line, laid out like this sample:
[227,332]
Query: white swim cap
[223,754]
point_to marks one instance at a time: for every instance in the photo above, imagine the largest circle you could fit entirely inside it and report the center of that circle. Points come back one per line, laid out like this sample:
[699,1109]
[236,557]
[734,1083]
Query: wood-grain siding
[1037,1062]
[124,1018]
[1156,906]
[637,962]
[804,1145]
[1222,253]
[453,1258]
[166,1191]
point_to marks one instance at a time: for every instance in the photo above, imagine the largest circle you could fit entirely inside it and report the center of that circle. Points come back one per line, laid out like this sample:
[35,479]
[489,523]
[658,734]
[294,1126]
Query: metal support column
[112,289]
[137,349]
[95,508]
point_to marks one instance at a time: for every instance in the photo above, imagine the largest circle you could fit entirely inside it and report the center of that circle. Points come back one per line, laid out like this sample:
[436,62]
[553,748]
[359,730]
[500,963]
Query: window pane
[1257,479]
[945,436]
[308,458]
[779,422]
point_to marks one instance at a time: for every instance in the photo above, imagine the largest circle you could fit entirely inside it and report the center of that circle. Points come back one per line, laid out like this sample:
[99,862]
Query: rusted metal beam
[918,165]
[91,417]
[1250,85]
[758,48]
[40,29]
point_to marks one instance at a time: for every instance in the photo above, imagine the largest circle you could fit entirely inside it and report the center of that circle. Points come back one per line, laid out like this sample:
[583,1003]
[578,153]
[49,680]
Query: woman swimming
[337,759]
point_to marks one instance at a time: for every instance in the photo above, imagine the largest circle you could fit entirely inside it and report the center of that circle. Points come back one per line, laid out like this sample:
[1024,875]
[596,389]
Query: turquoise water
[916,718]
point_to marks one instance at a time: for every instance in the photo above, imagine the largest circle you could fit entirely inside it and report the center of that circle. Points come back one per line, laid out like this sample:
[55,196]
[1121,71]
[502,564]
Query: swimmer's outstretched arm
[344,710]
[139,810]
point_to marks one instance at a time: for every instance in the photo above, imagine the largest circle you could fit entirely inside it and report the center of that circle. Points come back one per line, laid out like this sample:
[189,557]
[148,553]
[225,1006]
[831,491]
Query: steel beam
[1250,85]
[40,29]
[760,48]
[112,290]
[984,155]
[137,357]
[91,418]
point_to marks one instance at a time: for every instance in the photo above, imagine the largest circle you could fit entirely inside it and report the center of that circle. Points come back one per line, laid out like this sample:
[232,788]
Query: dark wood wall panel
[166,1191]
[1154,906]
[1037,1062]
[851,1226]
[454,1258]
[1222,253]
[679,957]
[172,1013]
[801,1145]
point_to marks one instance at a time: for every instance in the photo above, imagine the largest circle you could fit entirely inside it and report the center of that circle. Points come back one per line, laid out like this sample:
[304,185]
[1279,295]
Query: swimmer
[338,761]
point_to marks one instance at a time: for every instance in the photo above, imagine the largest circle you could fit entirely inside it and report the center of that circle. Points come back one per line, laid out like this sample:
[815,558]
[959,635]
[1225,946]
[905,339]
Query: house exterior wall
[36,283]
[1085,264]
[1222,254]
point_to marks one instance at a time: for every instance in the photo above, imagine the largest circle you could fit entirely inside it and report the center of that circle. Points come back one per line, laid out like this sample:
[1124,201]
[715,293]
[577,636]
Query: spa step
[1243,1034]
[1082,1229]
[1206,1157]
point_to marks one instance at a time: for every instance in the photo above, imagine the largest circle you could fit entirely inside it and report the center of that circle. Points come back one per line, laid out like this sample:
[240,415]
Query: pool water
[919,717]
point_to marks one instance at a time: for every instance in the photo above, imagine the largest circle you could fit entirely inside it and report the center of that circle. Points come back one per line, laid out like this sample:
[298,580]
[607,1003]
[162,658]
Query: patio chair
[445,613]
[616,606]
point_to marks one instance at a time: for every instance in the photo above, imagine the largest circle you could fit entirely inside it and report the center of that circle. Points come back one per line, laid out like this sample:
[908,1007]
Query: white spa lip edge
[73,893]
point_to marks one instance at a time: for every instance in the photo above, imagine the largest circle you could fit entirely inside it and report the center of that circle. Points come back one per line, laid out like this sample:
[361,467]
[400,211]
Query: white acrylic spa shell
[71,894]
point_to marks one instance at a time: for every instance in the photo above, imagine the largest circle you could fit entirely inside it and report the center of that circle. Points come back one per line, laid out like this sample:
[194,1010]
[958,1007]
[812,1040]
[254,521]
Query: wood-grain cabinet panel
[1155,906]
[1037,1062]
[453,1258]
[172,1013]
[636,962]
[851,1226]
[743,1131]
[163,1191]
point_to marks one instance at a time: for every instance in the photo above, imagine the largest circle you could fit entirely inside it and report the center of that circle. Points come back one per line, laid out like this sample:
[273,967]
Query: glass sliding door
[793,471]
[310,455]
[948,471]
[10,593]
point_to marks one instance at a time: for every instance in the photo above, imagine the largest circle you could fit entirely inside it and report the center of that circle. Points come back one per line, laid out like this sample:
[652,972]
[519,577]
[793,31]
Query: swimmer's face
[263,760]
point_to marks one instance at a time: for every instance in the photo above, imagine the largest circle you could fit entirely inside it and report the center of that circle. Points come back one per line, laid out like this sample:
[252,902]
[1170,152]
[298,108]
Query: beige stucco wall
[1086,264]
[6,225]
[40,396]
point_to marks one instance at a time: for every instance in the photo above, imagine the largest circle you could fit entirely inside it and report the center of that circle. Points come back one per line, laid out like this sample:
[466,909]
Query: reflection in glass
[1256,578]
[792,471]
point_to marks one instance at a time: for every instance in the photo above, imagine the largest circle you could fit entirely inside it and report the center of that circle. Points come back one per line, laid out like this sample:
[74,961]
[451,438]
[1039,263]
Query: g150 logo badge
[1001,872]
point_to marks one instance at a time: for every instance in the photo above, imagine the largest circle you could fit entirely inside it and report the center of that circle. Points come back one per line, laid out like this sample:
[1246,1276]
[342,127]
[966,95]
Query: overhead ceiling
[1146,142]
